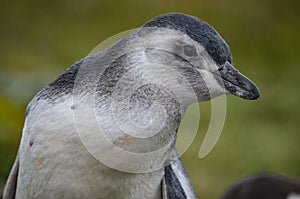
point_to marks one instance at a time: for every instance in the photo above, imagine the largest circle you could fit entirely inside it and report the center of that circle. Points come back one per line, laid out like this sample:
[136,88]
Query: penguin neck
[141,121]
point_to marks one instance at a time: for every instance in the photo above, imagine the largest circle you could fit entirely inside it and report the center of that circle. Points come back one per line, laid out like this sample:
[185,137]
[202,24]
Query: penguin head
[205,54]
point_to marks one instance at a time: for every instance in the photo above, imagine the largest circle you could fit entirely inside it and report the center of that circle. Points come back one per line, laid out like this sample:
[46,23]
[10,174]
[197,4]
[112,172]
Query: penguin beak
[237,84]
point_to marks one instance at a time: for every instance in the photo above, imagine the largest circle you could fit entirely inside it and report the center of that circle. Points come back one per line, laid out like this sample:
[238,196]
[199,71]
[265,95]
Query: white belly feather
[55,164]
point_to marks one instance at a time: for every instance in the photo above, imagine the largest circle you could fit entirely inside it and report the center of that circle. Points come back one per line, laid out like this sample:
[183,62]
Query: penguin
[264,186]
[106,128]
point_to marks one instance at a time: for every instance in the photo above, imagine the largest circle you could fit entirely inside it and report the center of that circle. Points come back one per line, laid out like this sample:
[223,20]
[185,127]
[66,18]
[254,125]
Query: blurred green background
[40,39]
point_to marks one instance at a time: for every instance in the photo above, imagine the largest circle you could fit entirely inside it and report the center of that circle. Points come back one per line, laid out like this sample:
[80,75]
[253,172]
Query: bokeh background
[40,39]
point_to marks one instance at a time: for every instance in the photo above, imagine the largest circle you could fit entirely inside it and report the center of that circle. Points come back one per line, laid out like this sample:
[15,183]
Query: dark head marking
[198,30]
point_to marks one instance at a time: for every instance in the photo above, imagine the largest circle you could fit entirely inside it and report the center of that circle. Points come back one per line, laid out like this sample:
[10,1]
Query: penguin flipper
[176,183]
[10,187]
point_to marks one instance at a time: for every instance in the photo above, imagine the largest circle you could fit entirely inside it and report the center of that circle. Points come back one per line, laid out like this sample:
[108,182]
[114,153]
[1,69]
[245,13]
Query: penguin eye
[189,50]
